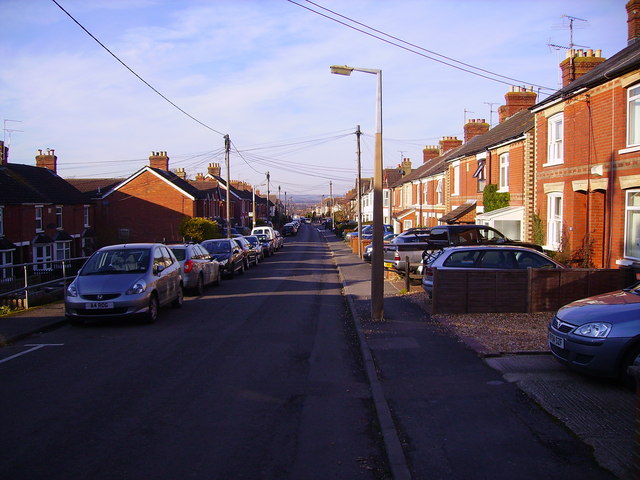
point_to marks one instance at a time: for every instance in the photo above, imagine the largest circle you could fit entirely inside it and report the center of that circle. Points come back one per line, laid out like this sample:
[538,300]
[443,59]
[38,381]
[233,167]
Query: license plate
[98,305]
[556,340]
[388,265]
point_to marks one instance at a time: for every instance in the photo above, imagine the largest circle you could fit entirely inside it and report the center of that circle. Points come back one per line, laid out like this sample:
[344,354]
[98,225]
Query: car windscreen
[218,247]
[117,261]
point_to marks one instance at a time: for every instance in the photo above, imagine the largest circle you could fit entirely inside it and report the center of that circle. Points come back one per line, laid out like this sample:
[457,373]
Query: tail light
[428,271]
[188,266]
[396,257]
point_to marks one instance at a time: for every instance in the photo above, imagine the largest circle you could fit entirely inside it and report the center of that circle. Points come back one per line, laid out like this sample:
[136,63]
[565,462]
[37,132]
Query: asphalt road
[256,379]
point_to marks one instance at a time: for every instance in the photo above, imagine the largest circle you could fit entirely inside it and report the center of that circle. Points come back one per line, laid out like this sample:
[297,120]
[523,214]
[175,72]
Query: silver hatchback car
[123,281]
[199,269]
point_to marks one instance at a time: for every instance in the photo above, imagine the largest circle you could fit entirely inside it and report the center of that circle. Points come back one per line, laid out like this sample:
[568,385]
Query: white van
[269,233]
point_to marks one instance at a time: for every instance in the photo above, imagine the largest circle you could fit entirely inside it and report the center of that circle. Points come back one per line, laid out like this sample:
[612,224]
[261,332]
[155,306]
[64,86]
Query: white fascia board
[508,142]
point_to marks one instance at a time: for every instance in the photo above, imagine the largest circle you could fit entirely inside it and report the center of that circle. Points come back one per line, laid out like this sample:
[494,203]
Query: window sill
[553,164]
[629,150]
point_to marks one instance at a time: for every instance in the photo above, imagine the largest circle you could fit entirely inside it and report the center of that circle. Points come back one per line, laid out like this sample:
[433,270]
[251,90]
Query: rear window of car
[180,253]
[218,247]
[464,259]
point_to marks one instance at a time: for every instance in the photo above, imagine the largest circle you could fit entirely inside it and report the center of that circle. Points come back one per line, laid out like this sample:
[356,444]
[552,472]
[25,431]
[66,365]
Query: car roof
[125,246]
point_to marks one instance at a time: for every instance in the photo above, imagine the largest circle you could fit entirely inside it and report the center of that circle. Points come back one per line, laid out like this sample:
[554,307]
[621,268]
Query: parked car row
[137,279]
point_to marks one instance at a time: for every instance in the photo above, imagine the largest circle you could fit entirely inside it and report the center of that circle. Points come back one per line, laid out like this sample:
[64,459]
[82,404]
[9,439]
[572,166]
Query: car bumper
[598,357]
[122,306]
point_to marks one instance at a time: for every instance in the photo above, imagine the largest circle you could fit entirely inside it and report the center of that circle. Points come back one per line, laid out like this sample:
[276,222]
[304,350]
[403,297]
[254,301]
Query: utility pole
[285,203]
[227,147]
[333,223]
[359,194]
[268,207]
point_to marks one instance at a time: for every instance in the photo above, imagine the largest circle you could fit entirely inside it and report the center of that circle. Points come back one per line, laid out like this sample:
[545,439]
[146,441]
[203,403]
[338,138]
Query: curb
[393,447]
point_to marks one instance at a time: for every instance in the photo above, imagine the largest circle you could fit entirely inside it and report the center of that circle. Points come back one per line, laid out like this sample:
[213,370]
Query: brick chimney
[199,177]
[579,62]
[47,160]
[405,166]
[4,154]
[214,169]
[159,160]
[181,173]
[449,143]
[430,152]
[516,100]
[633,21]
[476,127]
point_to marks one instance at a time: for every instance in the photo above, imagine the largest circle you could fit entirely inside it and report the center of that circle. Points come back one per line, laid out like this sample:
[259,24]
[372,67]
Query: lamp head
[341,70]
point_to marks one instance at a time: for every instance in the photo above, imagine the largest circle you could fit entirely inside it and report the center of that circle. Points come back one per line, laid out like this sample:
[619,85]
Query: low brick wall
[532,290]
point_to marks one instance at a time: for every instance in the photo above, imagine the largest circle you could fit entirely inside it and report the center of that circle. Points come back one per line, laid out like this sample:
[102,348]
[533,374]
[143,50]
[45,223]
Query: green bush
[197,229]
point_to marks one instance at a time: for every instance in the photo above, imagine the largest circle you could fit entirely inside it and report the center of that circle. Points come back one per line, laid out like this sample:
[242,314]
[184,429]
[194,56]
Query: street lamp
[377,255]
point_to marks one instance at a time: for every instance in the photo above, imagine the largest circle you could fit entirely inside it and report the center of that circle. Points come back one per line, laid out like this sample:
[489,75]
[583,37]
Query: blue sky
[258,70]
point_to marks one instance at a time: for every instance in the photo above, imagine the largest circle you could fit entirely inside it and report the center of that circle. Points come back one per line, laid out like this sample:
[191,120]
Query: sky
[258,71]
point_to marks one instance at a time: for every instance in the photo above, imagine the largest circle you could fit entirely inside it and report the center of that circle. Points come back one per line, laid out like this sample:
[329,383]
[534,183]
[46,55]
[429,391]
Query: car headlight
[72,291]
[223,262]
[594,330]
[138,287]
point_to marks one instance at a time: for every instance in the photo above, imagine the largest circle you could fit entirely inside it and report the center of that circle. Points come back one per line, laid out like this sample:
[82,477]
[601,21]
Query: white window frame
[6,261]
[555,204]
[59,217]
[555,139]
[632,226]
[86,212]
[504,172]
[386,195]
[406,225]
[38,218]
[425,194]
[455,166]
[62,250]
[633,116]
[45,256]
[440,196]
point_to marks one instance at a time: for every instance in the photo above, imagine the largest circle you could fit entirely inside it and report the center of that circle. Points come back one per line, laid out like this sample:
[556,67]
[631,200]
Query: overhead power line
[134,73]
[412,47]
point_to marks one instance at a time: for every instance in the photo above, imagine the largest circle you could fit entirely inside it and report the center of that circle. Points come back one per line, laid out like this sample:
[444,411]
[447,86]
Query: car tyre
[199,288]
[152,312]
[179,300]
[631,359]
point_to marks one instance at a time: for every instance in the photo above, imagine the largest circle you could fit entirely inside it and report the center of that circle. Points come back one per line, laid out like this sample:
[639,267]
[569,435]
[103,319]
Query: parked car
[268,245]
[599,335]
[228,253]
[250,253]
[485,257]
[407,244]
[366,254]
[257,245]
[269,232]
[279,240]
[135,279]
[367,232]
[289,229]
[199,269]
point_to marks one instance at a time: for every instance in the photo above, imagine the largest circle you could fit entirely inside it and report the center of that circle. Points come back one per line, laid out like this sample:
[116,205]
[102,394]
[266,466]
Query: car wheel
[199,288]
[631,359]
[179,300]
[216,282]
[152,312]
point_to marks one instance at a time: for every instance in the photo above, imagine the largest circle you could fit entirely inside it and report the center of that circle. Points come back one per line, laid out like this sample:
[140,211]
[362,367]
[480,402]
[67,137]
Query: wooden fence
[532,290]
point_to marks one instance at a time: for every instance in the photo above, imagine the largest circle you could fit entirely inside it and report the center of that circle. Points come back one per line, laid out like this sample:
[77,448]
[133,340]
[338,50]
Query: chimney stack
[579,62]
[516,100]
[181,173]
[405,166]
[633,21]
[430,152]
[449,143]
[199,177]
[47,160]
[473,128]
[214,169]
[159,160]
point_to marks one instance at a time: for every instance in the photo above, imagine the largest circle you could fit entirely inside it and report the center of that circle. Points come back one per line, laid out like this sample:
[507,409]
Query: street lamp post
[377,254]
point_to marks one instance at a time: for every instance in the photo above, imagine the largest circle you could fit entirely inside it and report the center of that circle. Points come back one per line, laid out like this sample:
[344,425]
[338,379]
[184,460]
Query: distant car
[134,279]
[289,229]
[250,253]
[199,269]
[484,257]
[366,254]
[599,335]
[257,245]
[367,232]
[279,240]
[228,253]
[268,245]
